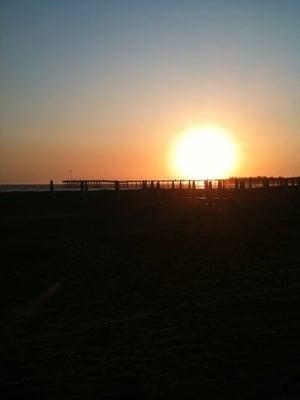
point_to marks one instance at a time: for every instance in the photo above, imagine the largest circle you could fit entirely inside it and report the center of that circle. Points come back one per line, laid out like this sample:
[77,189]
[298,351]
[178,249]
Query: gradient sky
[105,87]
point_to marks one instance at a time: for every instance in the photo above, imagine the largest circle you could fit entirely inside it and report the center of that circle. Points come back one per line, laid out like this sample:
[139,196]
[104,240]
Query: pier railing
[193,185]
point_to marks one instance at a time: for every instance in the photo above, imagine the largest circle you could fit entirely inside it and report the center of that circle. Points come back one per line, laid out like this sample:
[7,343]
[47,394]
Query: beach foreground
[122,295]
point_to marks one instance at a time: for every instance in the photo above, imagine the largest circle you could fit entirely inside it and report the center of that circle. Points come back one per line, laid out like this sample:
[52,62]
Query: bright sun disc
[204,153]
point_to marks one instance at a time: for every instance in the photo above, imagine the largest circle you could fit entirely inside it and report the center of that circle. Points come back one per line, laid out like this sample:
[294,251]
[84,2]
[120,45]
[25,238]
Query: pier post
[81,186]
[117,185]
[51,186]
[194,192]
[286,182]
[220,188]
[266,183]
[209,194]
[86,186]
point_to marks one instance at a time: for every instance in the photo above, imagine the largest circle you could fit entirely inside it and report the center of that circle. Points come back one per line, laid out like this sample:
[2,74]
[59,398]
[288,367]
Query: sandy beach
[122,295]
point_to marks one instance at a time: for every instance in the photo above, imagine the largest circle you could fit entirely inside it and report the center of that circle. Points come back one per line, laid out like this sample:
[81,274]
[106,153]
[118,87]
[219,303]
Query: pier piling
[209,189]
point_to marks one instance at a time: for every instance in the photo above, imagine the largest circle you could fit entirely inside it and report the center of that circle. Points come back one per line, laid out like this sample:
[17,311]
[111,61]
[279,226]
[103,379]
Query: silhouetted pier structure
[200,187]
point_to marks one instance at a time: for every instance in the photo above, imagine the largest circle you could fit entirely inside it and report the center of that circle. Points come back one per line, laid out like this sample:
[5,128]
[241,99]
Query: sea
[44,187]
[33,188]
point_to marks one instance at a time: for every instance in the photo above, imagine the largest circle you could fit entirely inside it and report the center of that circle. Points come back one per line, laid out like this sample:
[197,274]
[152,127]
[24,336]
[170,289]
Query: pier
[236,184]
[232,188]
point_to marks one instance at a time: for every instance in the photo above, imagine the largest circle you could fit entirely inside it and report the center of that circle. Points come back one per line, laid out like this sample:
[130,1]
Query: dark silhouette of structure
[231,185]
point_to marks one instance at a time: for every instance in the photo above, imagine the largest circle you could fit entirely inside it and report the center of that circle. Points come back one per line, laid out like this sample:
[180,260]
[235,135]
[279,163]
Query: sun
[204,153]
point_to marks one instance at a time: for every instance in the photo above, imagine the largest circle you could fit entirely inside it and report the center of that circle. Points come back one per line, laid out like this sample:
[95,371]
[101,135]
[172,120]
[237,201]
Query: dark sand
[126,296]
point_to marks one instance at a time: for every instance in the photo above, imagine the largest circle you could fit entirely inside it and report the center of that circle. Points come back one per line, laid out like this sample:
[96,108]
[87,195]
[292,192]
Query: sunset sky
[105,88]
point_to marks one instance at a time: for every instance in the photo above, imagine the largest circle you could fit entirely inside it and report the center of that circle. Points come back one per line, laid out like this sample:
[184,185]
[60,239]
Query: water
[46,188]
[31,188]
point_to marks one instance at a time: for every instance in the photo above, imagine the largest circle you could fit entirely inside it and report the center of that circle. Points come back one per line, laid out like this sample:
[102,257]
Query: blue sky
[130,74]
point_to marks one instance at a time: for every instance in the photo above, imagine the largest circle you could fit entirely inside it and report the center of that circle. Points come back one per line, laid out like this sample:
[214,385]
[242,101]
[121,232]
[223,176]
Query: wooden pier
[200,186]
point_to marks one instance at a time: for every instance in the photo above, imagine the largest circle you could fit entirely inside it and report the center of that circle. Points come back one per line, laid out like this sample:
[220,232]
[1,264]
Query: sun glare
[204,153]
